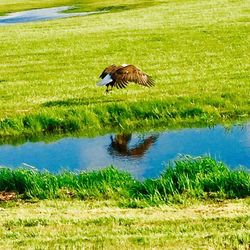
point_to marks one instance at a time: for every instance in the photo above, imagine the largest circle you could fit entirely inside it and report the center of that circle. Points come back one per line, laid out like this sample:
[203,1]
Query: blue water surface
[39,15]
[143,155]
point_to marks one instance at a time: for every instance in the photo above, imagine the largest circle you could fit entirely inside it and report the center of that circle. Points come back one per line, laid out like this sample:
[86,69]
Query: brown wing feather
[130,73]
[108,70]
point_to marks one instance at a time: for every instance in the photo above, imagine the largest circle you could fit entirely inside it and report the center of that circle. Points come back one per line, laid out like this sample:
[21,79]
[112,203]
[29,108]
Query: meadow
[195,50]
[197,53]
[82,225]
[195,203]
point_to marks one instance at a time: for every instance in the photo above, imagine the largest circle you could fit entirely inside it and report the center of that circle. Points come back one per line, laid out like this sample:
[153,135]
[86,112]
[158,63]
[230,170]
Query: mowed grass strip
[196,52]
[66,224]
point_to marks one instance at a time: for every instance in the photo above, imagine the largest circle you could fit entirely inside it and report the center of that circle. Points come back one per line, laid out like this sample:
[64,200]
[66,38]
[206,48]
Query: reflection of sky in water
[39,15]
[230,146]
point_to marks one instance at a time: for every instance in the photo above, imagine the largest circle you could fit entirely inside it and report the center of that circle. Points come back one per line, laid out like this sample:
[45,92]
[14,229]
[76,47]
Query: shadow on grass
[110,8]
[118,8]
[77,102]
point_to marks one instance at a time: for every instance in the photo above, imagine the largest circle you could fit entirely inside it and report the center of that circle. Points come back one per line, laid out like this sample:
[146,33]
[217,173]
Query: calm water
[39,15]
[144,155]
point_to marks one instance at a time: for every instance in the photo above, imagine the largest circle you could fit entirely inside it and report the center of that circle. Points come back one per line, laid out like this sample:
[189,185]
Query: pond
[143,155]
[39,15]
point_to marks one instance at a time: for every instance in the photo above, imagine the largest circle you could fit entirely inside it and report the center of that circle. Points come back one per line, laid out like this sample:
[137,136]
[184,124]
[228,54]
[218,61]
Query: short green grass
[57,224]
[197,52]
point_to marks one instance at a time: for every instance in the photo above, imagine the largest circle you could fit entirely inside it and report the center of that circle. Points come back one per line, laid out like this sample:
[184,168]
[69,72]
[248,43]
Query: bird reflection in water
[119,145]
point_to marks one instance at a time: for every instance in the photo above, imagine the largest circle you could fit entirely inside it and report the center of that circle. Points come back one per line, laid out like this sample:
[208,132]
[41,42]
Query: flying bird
[121,76]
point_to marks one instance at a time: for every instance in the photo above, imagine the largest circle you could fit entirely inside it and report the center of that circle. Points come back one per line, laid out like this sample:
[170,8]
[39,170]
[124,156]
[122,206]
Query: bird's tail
[107,79]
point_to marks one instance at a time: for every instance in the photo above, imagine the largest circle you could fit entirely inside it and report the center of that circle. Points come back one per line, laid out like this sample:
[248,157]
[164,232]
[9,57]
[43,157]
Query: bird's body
[120,76]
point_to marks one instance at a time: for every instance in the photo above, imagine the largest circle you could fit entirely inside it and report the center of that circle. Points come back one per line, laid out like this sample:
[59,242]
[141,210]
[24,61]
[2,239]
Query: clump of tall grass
[201,178]
[196,178]
[111,116]
[104,184]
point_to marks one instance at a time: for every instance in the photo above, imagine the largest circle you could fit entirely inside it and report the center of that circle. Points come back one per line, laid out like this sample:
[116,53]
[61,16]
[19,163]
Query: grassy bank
[188,206]
[79,5]
[184,180]
[195,50]
[91,225]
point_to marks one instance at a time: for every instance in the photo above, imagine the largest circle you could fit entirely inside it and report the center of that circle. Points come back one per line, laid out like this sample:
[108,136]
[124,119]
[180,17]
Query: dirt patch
[7,196]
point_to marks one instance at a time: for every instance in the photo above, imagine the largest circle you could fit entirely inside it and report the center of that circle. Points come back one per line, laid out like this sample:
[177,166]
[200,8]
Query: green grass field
[197,52]
[187,207]
[92,225]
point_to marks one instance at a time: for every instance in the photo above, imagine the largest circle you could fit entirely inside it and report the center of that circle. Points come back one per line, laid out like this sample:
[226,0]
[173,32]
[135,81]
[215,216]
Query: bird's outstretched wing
[130,73]
[108,70]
